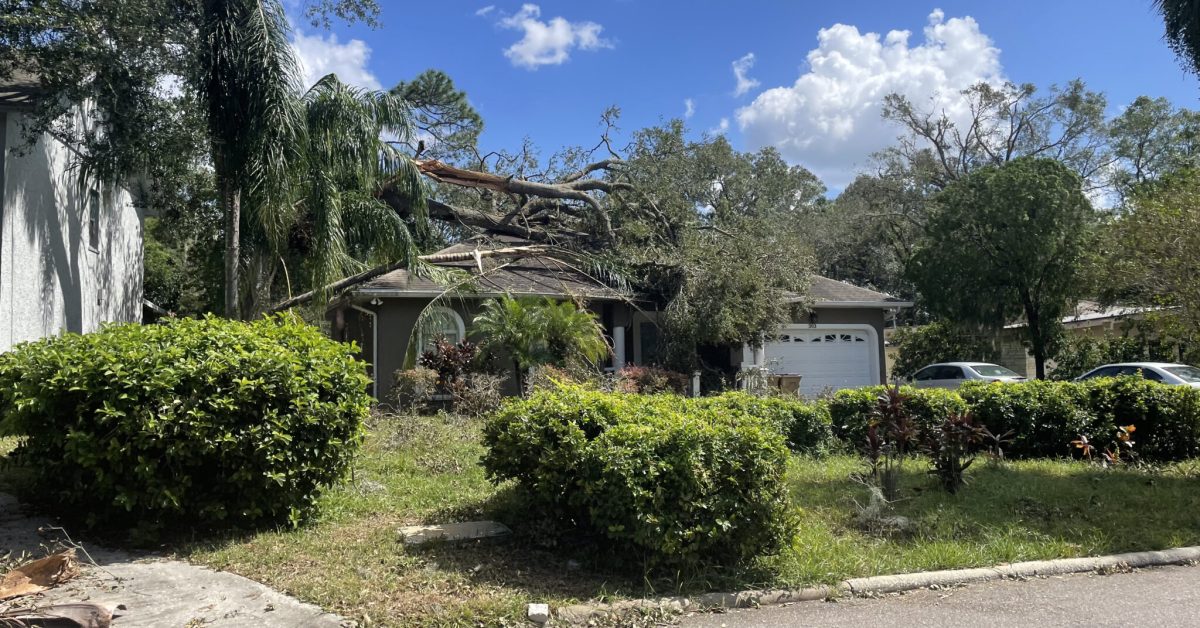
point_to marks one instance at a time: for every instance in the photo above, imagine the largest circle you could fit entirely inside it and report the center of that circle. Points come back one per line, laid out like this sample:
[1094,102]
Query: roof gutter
[857,304]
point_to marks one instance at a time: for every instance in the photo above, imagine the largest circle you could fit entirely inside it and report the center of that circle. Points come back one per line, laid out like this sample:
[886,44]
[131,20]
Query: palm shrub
[534,332]
[195,422]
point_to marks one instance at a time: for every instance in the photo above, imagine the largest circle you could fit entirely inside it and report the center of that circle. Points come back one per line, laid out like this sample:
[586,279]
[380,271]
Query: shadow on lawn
[1100,510]
[549,559]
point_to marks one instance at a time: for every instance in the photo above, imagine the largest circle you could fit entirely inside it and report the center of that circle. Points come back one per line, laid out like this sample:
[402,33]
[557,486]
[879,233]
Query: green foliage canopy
[1006,242]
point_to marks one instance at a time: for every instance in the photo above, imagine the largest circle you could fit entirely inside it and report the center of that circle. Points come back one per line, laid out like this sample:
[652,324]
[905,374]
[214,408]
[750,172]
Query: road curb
[876,585]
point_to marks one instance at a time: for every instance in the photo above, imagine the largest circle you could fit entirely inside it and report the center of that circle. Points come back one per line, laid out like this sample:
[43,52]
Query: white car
[952,374]
[1165,372]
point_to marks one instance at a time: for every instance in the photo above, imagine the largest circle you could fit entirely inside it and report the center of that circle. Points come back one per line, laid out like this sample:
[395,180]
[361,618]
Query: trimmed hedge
[805,425]
[658,476]
[1167,418]
[851,409]
[1045,416]
[196,422]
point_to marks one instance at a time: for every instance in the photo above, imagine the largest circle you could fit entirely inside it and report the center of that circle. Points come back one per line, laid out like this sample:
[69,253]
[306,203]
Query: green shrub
[659,476]
[1080,354]
[1043,416]
[805,425]
[1167,418]
[918,347]
[690,487]
[200,422]
[851,409]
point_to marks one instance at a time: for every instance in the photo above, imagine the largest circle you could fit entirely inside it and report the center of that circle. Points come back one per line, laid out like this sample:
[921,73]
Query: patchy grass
[414,470]
[1026,510]
[425,469]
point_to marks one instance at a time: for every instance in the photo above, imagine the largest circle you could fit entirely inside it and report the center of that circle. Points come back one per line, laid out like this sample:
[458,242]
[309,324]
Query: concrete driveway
[1150,598]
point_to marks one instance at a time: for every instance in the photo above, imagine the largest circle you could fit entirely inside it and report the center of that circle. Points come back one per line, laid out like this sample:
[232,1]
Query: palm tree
[247,78]
[345,162]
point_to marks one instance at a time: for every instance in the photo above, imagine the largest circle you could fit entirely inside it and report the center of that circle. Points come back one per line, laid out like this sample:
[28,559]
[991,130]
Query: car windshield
[1189,374]
[991,370]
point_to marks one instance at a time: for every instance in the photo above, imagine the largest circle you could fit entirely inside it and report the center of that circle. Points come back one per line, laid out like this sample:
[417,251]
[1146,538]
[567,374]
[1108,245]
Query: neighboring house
[1089,318]
[837,343]
[70,254]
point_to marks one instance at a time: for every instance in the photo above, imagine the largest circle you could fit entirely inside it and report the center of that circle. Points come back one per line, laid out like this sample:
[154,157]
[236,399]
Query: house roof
[19,89]
[532,275]
[827,292]
[1094,312]
[547,275]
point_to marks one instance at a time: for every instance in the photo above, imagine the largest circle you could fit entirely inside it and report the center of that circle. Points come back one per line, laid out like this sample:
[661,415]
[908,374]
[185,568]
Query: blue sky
[811,87]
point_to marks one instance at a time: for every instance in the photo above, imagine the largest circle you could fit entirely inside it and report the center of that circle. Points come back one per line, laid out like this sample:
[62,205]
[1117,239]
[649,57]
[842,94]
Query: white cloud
[829,120]
[721,128]
[549,43]
[485,10]
[321,55]
[741,68]
[689,108]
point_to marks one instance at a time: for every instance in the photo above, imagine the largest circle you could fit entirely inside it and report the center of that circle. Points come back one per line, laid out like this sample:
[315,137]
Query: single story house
[836,343]
[1088,318]
[70,252]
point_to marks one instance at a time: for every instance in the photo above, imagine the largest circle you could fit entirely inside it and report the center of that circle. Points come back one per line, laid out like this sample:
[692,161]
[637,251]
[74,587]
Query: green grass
[417,470]
[1017,511]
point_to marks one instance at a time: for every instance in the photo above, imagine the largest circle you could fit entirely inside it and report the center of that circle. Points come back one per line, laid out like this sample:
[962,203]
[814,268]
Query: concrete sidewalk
[1149,598]
[156,592]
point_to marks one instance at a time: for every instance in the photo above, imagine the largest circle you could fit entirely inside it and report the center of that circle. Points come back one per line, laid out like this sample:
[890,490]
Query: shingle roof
[542,275]
[549,276]
[826,290]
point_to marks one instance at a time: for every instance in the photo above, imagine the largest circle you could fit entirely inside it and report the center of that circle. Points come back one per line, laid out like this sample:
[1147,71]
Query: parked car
[952,374]
[1165,372]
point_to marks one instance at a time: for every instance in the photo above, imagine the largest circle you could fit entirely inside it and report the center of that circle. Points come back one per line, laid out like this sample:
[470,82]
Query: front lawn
[415,470]
[425,470]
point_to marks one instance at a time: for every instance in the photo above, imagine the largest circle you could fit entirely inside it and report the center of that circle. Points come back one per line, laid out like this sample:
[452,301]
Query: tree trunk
[232,197]
[1036,340]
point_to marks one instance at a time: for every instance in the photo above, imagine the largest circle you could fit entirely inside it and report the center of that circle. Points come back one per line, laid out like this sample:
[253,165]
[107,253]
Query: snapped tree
[1006,243]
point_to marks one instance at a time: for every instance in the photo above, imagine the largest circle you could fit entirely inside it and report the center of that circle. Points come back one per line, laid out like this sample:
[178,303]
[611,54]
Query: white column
[760,356]
[618,335]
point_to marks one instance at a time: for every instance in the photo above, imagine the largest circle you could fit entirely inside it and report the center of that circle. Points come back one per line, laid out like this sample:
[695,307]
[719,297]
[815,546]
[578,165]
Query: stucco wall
[396,319]
[51,279]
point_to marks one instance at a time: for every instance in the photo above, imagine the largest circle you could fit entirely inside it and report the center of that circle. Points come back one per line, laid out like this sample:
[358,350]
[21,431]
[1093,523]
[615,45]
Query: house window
[93,220]
[649,336]
[440,322]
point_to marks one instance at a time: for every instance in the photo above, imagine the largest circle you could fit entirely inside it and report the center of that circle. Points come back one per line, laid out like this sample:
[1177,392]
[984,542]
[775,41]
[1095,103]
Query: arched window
[440,322]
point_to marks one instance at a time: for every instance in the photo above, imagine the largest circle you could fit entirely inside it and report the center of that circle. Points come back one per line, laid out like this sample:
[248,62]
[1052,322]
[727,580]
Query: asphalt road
[1167,596]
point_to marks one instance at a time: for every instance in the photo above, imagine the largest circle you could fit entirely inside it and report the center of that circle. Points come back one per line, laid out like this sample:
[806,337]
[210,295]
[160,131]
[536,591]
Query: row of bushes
[1041,418]
[684,481]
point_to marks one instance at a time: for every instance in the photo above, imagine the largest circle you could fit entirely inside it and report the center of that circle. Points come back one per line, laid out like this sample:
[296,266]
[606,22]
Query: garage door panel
[825,358]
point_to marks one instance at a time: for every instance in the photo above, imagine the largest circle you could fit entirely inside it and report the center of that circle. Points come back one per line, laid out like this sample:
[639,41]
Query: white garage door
[827,359]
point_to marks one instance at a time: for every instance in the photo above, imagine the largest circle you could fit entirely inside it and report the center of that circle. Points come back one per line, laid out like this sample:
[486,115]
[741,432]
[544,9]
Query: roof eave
[856,304]
[483,294]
